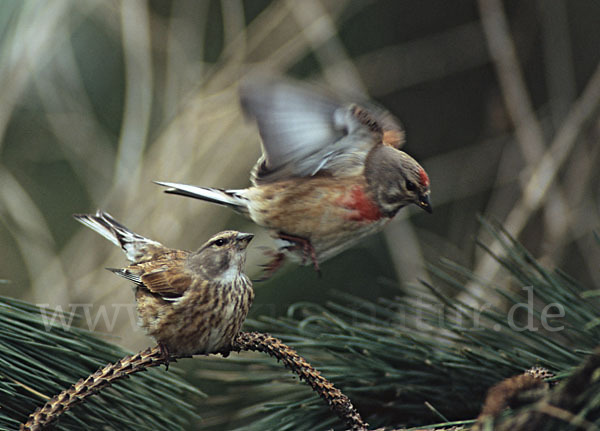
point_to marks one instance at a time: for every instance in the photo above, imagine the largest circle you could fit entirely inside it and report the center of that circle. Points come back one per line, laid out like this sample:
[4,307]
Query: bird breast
[314,206]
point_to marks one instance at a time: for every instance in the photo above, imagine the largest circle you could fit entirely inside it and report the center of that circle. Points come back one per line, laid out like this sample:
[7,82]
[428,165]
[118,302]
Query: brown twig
[544,170]
[153,357]
[84,388]
[530,387]
[511,391]
[335,399]
[528,129]
[559,403]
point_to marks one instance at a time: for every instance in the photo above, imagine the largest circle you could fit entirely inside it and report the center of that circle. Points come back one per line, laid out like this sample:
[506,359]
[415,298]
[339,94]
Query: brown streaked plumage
[190,302]
[331,172]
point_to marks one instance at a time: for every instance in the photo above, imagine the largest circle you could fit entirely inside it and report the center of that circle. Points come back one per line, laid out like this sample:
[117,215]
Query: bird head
[222,256]
[396,179]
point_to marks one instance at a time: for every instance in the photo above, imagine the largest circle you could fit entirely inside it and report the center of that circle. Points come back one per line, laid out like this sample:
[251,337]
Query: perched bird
[190,302]
[330,172]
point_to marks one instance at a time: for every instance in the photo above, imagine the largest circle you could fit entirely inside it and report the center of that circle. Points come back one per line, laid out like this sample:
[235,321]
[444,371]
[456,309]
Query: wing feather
[306,130]
[167,282]
[166,276]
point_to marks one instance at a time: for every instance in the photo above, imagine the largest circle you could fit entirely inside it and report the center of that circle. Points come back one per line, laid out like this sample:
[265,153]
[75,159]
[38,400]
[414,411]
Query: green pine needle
[397,358]
[37,363]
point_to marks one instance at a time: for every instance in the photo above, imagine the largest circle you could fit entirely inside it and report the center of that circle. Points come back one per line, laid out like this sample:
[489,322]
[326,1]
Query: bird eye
[220,242]
[410,186]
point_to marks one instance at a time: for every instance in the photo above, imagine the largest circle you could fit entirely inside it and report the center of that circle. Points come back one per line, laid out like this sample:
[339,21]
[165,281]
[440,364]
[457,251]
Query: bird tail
[234,199]
[135,246]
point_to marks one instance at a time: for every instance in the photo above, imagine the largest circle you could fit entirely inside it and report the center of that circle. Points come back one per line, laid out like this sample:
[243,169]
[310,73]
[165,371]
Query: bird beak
[244,237]
[425,203]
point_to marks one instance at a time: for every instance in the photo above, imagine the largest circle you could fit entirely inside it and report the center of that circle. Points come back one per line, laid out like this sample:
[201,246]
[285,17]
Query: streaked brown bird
[330,172]
[190,302]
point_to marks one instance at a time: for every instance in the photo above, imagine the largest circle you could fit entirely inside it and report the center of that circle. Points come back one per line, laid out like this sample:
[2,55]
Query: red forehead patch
[423,178]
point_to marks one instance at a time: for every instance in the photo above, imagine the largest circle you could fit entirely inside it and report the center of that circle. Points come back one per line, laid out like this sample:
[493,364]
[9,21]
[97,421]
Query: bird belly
[332,213]
[201,322]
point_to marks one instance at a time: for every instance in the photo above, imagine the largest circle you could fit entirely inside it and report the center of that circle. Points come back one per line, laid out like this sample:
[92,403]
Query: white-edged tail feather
[231,198]
[135,246]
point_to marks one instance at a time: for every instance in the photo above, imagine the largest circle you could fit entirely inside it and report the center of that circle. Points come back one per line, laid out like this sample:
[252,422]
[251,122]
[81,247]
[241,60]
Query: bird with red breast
[331,172]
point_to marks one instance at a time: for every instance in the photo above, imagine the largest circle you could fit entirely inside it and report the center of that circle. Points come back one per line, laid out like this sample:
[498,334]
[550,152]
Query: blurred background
[99,98]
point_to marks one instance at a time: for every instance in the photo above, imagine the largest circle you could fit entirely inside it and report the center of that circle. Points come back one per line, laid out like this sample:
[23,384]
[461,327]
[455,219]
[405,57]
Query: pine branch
[514,390]
[563,404]
[397,356]
[32,339]
[84,388]
[153,357]
[335,399]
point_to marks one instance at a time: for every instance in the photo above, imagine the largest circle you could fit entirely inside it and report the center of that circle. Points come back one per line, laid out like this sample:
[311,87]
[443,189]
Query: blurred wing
[304,130]
[166,277]
[391,128]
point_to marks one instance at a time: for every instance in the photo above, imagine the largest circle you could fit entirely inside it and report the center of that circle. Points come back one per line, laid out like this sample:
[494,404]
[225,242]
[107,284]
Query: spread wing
[306,130]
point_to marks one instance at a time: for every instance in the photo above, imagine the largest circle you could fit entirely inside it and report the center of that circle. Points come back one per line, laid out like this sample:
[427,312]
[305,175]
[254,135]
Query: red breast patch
[423,178]
[364,208]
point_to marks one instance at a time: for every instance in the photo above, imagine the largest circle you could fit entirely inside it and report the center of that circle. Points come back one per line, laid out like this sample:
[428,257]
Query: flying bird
[330,173]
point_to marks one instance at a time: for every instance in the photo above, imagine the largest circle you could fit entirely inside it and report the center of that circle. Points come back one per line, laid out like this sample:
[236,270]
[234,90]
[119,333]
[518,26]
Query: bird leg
[165,354]
[306,247]
[278,258]
[273,265]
